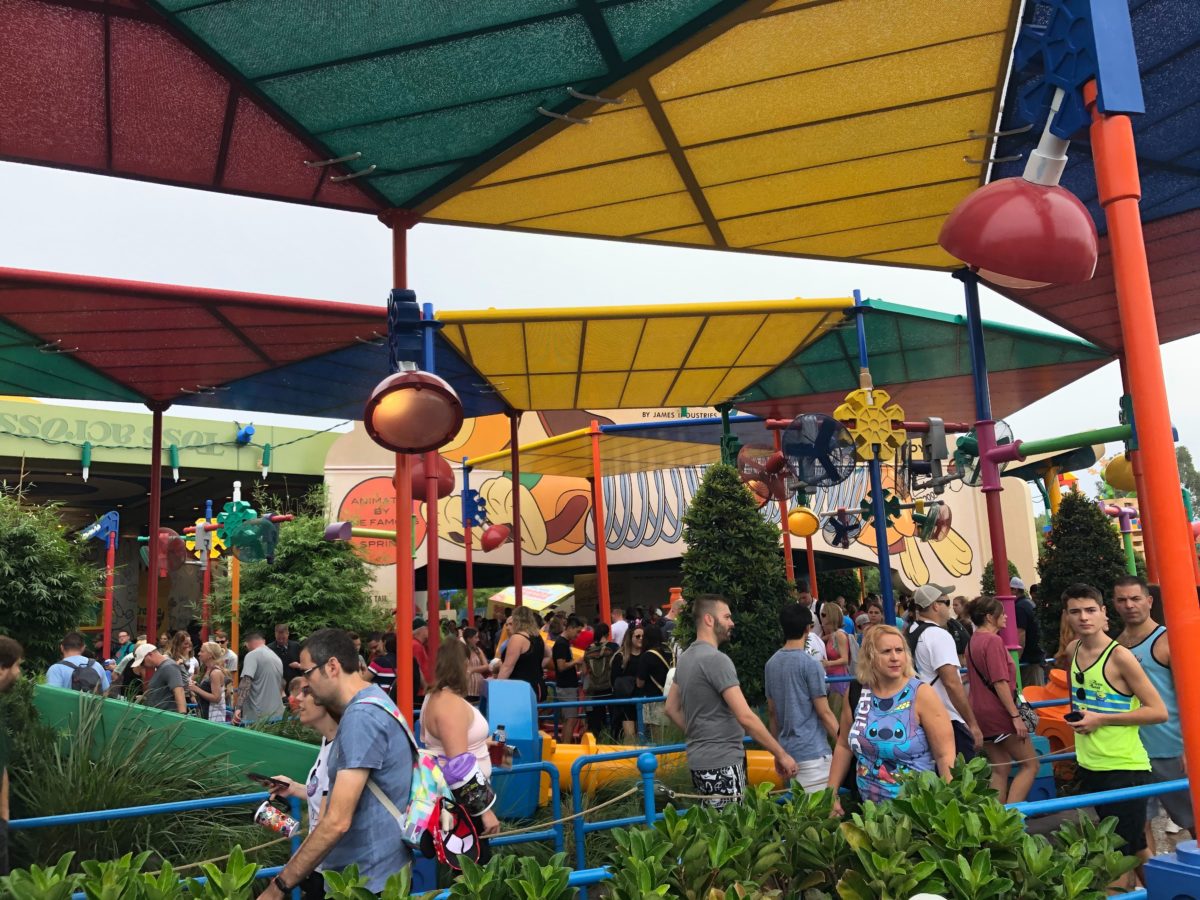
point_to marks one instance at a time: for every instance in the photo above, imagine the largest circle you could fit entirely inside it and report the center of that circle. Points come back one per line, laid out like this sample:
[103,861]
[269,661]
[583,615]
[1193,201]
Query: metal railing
[132,812]
[555,833]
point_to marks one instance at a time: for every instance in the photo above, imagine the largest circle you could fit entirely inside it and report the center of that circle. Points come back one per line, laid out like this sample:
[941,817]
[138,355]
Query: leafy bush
[1082,546]
[313,583]
[83,771]
[953,839]
[733,551]
[46,581]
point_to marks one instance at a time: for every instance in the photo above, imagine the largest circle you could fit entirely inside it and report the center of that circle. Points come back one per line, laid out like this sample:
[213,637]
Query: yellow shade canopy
[570,454]
[840,130]
[635,357]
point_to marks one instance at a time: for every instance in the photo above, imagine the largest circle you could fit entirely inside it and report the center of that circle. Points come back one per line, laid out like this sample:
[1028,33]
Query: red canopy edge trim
[208,297]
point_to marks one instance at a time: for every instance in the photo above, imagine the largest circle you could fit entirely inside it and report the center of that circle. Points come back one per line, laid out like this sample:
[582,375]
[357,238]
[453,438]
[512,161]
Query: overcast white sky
[70,222]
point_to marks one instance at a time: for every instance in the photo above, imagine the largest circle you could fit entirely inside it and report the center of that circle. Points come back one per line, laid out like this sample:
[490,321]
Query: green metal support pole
[1079,439]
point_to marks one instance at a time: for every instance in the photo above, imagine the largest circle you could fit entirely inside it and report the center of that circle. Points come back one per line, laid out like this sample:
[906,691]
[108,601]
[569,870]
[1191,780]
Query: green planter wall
[245,750]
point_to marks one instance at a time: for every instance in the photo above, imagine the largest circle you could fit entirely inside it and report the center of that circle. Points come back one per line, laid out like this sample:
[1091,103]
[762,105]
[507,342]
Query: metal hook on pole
[974,135]
[595,98]
[320,164]
[994,159]
[359,174]
[549,113]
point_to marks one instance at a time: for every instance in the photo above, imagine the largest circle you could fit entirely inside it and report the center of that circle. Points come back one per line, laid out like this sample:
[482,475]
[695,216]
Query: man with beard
[707,703]
[370,772]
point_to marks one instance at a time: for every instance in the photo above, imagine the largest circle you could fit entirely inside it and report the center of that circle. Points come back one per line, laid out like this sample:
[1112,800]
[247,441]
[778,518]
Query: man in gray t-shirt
[798,710]
[260,689]
[706,701]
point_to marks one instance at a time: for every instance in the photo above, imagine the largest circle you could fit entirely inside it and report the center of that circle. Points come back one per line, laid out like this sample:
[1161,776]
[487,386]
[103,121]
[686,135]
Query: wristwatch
[279,883]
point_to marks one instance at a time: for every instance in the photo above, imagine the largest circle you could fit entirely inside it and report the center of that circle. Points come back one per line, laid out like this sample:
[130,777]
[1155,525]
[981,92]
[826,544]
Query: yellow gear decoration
[873,417]
[216,546]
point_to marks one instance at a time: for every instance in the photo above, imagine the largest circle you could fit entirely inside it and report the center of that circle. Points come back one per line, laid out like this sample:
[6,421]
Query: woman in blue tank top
[897,725]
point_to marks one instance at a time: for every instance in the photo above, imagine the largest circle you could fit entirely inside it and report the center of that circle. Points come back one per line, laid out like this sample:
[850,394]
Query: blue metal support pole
[297,837]
[876,469]
[648,765]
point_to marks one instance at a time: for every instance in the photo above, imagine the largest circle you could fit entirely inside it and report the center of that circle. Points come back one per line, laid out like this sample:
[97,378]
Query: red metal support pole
[110,565]
[812,566]
[600,528]
[156,411]
[515,467]
[1115,158]
[433,599]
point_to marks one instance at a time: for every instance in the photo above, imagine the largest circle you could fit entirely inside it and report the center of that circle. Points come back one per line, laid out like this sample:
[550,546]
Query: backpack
[599,671]
[913,635]
[83,677]
[422,814]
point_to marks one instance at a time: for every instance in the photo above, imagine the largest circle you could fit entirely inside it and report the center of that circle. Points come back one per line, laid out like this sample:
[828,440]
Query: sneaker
[1172,828]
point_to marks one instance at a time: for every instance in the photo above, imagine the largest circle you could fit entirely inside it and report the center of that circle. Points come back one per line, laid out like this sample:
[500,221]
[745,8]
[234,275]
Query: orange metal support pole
[399,221]
[515,466]
[1120,190]
[600,528]
[789,567]
[812,567]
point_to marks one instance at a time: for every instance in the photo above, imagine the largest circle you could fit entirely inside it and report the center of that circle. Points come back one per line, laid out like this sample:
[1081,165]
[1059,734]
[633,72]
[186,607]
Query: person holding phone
[315,789]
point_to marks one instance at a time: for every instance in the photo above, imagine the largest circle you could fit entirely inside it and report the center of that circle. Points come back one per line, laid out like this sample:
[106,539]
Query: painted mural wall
[643,512]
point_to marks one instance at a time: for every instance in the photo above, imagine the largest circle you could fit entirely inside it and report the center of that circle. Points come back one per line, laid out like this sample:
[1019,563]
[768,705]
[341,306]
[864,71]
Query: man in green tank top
[1111,697]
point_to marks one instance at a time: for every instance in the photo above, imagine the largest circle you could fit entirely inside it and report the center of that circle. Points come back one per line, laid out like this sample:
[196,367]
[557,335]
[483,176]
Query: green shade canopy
[34,367]
[923,360]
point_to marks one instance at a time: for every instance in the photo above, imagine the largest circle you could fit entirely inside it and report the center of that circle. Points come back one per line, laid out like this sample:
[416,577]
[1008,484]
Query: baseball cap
[928,594]
[862,620]
[418,622]
[1016,584]
[140,654]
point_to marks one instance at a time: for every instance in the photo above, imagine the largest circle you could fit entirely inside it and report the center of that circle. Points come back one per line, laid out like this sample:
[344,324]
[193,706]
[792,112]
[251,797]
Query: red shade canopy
[165,342]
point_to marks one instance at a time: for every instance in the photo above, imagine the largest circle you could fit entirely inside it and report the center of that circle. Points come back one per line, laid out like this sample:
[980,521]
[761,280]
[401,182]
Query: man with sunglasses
[1112,699]
[370,772]
[935,657]
[1147,641]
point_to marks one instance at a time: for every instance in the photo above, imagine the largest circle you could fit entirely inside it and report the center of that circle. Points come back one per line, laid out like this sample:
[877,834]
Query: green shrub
[1082,546]
[836,583]
[46,582]
[987,581]
[313,583]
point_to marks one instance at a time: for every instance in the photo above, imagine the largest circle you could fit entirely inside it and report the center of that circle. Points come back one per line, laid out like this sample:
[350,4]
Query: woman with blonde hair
[209,694]
[527,654]
[892,723]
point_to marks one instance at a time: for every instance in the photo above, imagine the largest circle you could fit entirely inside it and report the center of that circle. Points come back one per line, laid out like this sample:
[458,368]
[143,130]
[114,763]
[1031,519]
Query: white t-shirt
[934,650]
[617,633]
[815,647]
[231,661]
[317,785]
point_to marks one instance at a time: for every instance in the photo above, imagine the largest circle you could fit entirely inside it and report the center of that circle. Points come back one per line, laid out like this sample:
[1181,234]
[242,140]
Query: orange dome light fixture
[413,412]
[1026,232]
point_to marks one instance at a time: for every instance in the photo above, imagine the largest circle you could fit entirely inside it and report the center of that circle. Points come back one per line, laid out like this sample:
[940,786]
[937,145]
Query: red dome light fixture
[413,412]
[1026,232]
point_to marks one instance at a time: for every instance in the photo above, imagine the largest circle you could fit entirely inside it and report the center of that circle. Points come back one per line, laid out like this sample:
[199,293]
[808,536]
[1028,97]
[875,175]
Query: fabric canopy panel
[108,87]
[74,337]
[422,92]
[638,356]
[855,148]
[620,454]
[923,360]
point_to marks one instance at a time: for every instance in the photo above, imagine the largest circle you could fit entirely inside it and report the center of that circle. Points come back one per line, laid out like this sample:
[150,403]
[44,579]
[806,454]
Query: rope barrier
[217,859]
[543,825]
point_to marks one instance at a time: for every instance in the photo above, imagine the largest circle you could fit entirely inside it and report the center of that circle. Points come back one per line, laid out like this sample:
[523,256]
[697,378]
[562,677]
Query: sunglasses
[1080,693]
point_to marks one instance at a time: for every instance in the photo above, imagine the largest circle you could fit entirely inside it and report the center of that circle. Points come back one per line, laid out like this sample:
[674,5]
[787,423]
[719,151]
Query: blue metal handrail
[130,812]
[556,833]
[1100,798]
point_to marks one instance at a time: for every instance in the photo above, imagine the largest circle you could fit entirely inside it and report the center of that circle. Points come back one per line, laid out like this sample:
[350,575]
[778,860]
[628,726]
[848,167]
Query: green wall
[246,750]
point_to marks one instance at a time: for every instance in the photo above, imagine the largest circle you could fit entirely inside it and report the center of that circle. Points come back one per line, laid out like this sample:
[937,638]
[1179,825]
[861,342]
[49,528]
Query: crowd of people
[852,703]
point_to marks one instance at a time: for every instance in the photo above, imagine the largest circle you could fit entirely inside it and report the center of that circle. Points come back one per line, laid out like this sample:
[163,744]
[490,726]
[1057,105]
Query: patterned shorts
[724,785]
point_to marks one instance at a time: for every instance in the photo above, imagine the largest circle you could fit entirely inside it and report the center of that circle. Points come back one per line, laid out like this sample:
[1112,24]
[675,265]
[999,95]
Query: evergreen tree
[1188,476]
[734,552]
[46,582]
[838,582]
[1083,546]
[987,582]
[313,583]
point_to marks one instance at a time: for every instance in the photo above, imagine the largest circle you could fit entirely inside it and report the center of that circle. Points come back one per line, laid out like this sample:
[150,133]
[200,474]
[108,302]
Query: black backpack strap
[914,640]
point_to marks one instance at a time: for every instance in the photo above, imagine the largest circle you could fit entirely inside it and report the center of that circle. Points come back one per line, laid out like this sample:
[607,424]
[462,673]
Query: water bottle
[497,750]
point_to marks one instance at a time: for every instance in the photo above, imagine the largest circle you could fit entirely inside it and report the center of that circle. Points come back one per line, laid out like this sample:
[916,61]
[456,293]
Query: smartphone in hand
[271,784]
